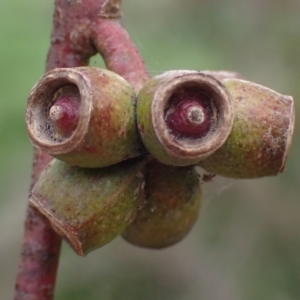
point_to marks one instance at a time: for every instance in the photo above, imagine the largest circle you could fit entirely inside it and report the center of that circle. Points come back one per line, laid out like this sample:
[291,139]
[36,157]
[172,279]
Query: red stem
[114,44]
[80,29]
[40,249]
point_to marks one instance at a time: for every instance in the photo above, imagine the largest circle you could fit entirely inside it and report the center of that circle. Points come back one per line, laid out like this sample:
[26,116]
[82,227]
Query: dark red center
[64,114]
[187,114]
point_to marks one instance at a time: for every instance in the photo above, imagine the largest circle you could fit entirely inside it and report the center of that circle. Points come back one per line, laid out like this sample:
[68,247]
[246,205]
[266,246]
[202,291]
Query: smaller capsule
[171,206]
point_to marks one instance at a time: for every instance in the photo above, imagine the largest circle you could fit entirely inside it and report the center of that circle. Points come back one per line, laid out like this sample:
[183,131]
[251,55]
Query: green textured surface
[89,207]
[257,144]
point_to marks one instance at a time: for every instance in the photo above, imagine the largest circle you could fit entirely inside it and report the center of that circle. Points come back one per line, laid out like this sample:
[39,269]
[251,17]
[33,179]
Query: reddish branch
[81,28]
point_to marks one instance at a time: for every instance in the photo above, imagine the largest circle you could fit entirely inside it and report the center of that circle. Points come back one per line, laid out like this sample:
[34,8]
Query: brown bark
[80,30]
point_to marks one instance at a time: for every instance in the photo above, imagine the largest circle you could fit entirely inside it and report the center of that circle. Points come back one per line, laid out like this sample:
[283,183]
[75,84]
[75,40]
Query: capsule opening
[48,127]
[197,112]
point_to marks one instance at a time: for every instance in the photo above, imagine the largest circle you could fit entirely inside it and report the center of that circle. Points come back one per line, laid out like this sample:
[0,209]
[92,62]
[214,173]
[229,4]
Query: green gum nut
[183,116]
[261,134]
[83,116]
[172,202]
[89,207]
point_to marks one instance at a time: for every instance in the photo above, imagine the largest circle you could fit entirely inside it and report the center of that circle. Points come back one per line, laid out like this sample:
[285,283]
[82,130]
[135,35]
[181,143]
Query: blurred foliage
[246,243]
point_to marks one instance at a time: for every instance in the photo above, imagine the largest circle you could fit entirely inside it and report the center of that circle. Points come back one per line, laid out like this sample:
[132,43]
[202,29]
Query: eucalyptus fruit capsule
[261,134]
[171,206]
[84,116]
[89,207]
[183,116]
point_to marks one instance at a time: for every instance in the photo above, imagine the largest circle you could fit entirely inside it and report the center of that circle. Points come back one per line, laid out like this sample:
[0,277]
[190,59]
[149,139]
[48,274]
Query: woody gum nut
[173,198]
[84,116]
[89,207]
[183,116]
[261,135]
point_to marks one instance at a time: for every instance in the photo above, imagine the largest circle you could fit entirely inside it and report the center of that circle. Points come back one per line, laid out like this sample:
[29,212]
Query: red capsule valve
[187,115]
[64,114]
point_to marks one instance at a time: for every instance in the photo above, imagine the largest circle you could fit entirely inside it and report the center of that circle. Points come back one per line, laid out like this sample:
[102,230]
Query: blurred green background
[246,243]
